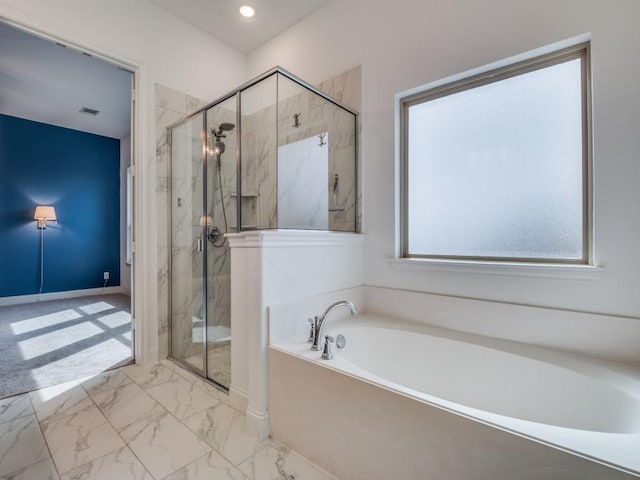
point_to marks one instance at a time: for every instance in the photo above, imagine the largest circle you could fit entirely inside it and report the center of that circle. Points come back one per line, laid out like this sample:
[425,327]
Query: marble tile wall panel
[302,194]
[316,116]
[170,106]
[345,87]
[343,218]
[259,168]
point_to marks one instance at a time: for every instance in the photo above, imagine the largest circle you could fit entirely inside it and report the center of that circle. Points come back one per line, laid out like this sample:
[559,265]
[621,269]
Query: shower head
[224,127]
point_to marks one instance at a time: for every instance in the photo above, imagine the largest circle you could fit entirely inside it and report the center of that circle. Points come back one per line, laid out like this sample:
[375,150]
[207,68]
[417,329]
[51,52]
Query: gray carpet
[47,343]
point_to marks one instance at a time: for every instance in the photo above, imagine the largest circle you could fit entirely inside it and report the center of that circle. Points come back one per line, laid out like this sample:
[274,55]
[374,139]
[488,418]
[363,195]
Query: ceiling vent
[89,111]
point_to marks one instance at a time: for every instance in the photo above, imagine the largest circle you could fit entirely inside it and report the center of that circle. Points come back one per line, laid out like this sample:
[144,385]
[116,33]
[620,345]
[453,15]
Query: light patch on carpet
[63,338]
[115,319]
[96,307]
[43,321]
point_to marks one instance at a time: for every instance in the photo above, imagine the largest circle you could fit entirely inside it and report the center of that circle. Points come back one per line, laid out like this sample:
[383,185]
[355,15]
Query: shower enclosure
[275,153]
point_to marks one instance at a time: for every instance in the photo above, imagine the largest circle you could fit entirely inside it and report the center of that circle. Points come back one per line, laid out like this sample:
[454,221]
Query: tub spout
[320,321]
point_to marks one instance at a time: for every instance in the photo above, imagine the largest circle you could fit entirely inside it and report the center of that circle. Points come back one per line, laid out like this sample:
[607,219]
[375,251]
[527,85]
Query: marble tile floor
[152,422]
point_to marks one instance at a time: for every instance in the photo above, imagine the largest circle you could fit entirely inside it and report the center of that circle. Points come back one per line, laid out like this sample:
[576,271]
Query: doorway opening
[66,283]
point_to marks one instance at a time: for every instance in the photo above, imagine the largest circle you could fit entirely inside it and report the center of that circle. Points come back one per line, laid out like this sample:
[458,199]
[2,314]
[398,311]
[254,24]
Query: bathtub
[515,408]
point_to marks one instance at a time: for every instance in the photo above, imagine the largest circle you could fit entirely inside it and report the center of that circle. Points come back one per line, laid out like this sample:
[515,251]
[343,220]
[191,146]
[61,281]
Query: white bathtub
[587,407]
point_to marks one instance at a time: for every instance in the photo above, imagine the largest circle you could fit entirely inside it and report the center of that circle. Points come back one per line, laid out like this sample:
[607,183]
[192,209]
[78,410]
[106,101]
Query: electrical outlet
[106,275]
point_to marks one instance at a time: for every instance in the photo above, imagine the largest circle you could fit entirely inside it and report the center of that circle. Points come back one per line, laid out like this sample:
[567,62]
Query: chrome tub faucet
[318,322]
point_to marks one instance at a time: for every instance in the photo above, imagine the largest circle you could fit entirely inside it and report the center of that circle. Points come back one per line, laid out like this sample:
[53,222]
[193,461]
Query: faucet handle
[312,331]
[327,354]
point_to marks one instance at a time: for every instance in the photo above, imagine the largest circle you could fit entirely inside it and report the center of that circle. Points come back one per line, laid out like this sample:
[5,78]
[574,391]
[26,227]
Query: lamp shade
[45,212]
[206,220]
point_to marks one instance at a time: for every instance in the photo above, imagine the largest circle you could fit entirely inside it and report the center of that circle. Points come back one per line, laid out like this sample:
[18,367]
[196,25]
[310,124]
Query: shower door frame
[201,241]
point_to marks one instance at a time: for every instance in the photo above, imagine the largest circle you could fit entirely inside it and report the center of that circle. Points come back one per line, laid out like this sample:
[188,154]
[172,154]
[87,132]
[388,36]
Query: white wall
[406,43]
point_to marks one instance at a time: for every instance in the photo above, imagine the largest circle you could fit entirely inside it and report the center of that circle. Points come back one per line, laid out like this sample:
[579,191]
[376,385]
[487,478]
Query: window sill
[534,270]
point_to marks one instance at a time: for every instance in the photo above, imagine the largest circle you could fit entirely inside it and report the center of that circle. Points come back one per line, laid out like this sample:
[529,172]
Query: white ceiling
[220,18]
[49,83]
[45,82]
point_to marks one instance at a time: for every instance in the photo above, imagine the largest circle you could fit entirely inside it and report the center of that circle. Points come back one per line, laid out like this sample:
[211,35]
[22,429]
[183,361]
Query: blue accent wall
[77,173]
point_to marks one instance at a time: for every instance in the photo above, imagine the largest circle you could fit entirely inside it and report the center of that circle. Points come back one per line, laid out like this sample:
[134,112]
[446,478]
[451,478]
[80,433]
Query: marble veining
[126,404]
[118,465]
[277,462]
[60,400]
[43,470]
[211,466]
[104,381]
[224,429]
[149,375]
[21,444]
[147,443]
[14,407]
[302,189]
[181,397]
[163,444]
[80,438]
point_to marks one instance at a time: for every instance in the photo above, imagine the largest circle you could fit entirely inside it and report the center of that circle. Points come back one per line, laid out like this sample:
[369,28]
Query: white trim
[533,270]
[238,398]
[258,423]
[44,297]
[292,238]
[570,42]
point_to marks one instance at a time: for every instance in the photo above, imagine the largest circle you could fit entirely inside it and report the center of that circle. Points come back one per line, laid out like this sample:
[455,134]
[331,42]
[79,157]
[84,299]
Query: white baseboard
[258,424]
[238,399]
[42,297]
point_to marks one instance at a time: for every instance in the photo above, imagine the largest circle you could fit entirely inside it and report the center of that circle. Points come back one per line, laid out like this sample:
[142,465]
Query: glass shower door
[188,229]
[221,189]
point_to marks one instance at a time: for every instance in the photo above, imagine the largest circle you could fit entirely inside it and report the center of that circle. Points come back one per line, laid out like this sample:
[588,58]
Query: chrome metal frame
[581,51]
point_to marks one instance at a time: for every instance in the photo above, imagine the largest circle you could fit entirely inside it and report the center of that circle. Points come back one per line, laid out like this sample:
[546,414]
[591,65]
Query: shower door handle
[200,245]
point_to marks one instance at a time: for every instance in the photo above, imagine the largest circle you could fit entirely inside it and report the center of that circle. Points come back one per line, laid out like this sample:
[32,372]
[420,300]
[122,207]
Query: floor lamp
[44,213]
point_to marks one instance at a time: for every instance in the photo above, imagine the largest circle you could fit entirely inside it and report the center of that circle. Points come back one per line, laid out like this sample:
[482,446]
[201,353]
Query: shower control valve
[213,233]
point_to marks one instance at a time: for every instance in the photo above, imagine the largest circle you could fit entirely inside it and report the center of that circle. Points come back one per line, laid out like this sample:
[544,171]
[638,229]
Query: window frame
[427,93]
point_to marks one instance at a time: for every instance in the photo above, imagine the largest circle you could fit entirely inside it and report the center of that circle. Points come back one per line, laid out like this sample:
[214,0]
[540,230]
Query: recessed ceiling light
[247,11]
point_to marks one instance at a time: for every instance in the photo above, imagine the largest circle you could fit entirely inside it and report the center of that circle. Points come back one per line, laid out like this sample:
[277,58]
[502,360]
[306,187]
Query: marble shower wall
[170,107]
[347,89]
[315,117]
[302,199]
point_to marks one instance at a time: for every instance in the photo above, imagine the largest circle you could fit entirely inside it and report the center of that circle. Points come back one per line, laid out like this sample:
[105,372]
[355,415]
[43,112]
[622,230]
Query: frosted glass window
[497,170]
